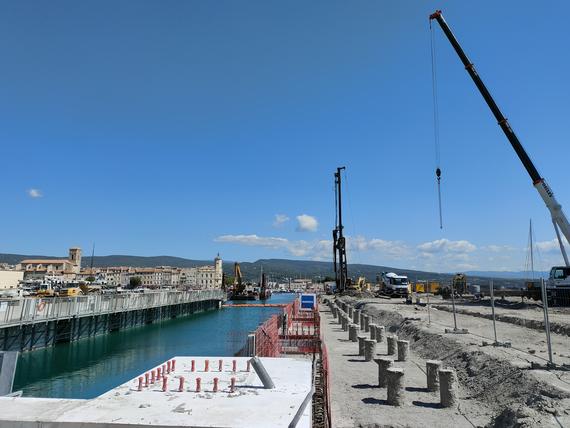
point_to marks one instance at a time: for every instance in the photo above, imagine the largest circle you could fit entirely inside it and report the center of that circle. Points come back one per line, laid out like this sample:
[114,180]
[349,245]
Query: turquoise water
[90,367]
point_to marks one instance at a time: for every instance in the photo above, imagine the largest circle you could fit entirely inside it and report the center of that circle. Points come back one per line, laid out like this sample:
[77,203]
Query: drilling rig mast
[339,242]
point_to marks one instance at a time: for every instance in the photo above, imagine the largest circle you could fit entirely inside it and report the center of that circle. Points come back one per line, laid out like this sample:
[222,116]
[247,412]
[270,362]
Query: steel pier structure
[31,323]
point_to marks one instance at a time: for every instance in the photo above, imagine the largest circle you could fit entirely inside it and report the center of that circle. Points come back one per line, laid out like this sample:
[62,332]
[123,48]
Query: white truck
[394,285]
[558,285]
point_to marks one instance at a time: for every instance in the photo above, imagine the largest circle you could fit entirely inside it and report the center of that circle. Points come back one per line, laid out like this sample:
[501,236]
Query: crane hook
[438,175]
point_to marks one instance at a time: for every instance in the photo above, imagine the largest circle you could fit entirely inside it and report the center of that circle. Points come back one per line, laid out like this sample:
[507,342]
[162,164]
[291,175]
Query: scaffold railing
[29,309]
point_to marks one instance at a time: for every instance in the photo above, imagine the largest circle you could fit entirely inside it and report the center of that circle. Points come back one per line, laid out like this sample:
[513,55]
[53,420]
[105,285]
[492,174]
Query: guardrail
[31,310]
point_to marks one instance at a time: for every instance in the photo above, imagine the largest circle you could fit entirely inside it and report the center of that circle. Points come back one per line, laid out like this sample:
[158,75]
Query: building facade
[39,268]
[10,279]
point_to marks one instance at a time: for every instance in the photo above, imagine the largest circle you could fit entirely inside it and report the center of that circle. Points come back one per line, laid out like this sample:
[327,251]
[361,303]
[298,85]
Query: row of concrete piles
[355,322]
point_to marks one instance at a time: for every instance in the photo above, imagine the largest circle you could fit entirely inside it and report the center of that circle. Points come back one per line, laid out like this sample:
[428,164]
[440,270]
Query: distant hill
[506,274]
[278,269]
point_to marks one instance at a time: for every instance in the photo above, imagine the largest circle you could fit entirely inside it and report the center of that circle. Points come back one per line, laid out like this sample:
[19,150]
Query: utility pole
[339,242]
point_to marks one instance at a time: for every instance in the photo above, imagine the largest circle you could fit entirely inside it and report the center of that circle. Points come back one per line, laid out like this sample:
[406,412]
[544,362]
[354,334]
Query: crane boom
[559,219]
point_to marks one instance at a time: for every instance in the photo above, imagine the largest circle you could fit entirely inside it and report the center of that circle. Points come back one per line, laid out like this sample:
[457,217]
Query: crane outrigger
[559,220]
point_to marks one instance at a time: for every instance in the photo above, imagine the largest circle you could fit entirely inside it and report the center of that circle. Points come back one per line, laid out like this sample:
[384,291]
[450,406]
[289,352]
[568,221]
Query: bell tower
[75,258]
[218,271]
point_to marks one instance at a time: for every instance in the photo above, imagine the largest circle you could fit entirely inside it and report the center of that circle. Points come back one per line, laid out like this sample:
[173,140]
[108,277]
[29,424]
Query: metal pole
[493,308]
[453,304]
[429,314]
[546,321]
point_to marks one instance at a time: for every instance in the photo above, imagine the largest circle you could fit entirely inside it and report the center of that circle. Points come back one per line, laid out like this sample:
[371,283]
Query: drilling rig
[339,241]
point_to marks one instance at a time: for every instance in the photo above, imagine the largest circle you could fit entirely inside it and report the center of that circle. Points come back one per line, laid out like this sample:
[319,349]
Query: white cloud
[280,219]
[498,248]
[316,250]
[34,193]
[441,255]
[254,240]
[389,248]
[446,246]
[307,223]
[551,246]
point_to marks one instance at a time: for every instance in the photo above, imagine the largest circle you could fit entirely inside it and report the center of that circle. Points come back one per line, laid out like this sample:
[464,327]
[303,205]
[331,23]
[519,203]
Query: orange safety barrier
[300,334]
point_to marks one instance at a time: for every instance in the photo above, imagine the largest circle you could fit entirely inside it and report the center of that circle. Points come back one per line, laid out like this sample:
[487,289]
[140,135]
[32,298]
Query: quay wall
[31,323]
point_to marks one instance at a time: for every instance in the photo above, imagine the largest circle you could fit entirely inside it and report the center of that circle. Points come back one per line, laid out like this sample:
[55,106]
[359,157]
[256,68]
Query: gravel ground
[497,386]
[526,314]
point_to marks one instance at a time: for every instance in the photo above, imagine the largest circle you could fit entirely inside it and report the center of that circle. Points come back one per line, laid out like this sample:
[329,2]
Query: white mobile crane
[559,281]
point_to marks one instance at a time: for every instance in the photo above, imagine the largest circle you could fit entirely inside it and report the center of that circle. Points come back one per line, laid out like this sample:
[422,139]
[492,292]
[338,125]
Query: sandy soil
[497,386]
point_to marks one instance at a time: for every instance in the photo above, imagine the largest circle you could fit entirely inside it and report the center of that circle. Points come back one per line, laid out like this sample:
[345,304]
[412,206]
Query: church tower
[75,258]
[218,271]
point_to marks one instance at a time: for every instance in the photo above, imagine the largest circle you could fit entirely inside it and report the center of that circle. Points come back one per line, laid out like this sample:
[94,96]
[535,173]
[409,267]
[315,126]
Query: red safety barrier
[267,338]
[294,332]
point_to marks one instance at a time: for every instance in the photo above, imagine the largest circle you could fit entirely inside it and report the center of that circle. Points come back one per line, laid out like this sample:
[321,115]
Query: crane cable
[436,122]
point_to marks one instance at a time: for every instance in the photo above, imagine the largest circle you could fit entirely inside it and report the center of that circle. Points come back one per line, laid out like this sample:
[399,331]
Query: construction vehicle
[459,283]
[359,285]
[69,292]
[558,284]
[241,290]
[392,284]
[45,290]
[88,288]
[458,286]
[362,284]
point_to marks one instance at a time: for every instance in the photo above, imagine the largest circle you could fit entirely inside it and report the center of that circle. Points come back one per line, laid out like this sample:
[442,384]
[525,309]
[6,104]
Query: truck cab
[559,277]
[395,285]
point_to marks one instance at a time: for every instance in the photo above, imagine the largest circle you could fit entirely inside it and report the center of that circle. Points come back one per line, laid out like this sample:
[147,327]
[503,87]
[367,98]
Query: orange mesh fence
[267,338]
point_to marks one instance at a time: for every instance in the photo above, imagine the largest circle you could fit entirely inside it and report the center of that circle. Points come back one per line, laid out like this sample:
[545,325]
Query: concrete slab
[250,405]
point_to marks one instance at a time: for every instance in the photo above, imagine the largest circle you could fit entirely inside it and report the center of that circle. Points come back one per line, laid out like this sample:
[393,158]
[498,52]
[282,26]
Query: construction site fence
[295,332]
[267,342]
[31,309]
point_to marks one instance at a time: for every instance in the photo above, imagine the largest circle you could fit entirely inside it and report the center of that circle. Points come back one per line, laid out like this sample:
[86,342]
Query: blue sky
[185,127]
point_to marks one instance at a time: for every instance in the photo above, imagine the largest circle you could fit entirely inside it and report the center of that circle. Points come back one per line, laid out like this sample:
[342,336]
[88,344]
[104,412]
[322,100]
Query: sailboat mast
[531,252]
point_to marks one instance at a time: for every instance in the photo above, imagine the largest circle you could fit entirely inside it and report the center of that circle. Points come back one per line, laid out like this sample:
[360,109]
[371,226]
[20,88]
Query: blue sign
[308,302]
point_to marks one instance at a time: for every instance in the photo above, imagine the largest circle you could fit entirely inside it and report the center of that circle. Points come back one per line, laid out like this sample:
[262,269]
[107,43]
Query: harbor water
[90,367]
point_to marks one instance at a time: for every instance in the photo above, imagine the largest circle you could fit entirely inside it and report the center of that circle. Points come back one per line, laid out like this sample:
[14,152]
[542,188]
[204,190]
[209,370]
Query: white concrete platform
[250,405]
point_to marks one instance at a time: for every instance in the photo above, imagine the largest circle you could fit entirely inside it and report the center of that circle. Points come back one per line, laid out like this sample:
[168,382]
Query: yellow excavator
[238,284]
[359,285]
[242,291]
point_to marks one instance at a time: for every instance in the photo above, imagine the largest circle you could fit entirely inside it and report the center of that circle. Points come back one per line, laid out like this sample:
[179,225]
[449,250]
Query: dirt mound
[522,417]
